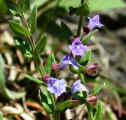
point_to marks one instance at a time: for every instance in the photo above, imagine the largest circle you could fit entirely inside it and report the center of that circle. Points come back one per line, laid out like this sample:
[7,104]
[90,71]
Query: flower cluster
[57,86]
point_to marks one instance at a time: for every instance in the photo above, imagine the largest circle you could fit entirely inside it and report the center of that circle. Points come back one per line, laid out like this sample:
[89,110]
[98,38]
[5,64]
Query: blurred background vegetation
[19,97]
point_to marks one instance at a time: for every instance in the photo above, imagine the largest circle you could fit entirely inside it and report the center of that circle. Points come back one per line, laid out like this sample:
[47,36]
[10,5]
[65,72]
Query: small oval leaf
[18,29]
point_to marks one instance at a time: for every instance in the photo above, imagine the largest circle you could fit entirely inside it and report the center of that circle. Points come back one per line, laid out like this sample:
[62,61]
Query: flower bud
[92,69]
[73,37]
[55,67]
[86,29]
[92,100]
[45,78]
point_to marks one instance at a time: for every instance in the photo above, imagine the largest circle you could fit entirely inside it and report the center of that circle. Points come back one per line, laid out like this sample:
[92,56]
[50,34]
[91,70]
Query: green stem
[36,57]
[81,76]
[90,113]
[51,117]
[80,25]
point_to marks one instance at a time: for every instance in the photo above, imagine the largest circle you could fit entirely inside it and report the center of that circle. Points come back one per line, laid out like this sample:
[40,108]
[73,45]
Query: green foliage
[88,37]
[32,21]
[23,6]
[17,8]
[64,105]
[80,70]
[114,87]
[98,114]
[24,46]
[109,115]
[83,10]
[97,89]
[46,101]
[18,29]
[48,66]
[82,78]
[40,44]
[111,86]
[86,58]
[80,95]
[35,80]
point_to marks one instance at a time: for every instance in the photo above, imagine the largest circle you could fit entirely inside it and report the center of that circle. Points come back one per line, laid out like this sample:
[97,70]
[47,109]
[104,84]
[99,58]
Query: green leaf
[18,29]
[17,7]
[23,6]
[98,114]
[97,89]
[41,44]
[88,37]
[99,5]
[114,87]
[48,66]
[4,91]
[109,115]
[32,21]
[86,58]
[72,69]
[83,9]
[81,76]
[24,46]
[64,105]
[90,112]
[111,86]
[35,80]
[47,107]
[46,101]
[80,95]
[80,70]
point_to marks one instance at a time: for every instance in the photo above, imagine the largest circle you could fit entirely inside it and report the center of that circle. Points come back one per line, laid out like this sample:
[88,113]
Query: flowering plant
[56,94]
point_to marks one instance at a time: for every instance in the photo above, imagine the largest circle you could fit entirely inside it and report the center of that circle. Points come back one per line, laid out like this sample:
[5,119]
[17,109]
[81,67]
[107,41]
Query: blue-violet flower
[56,86]
[68,59]
[94,22]
[78,86]
[77,48]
